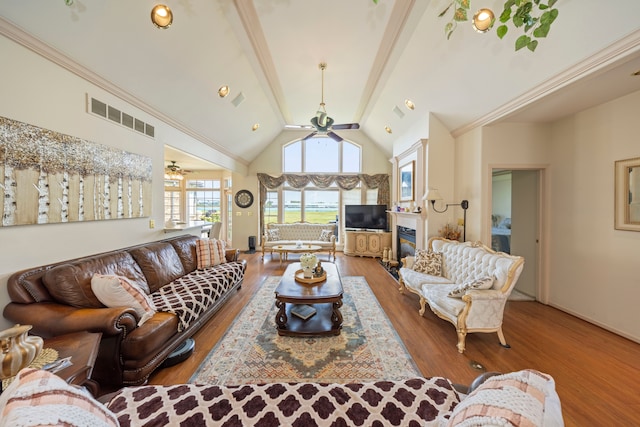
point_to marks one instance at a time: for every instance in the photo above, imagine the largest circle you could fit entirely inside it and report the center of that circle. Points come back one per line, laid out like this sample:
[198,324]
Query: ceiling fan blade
[298,127]
[346,126]
[312,134]
[334,136]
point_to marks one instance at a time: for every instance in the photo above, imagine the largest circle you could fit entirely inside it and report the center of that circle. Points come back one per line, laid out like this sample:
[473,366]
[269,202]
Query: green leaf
[460,15]
[543,7]
[518,21]
[505,16]
[448,29]
[549,16]
[502,30]
[522,41]
[464,3]
[552,2]
[542,31]
[533,45]
[445,10]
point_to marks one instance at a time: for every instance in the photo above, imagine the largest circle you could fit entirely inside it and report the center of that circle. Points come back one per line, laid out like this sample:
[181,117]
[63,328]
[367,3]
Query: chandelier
[173,172]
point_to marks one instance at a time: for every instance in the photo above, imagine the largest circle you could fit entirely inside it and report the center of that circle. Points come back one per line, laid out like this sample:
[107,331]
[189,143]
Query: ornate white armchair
[471,288]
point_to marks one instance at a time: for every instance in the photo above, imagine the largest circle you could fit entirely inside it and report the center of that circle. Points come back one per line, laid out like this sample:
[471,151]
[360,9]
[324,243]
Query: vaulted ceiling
[268,51]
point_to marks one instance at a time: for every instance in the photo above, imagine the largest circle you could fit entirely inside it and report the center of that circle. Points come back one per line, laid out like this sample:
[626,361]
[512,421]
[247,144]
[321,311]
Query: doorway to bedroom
[515,222]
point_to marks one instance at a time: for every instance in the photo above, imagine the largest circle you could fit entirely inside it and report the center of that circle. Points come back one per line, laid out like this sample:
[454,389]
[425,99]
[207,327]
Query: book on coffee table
[303,311]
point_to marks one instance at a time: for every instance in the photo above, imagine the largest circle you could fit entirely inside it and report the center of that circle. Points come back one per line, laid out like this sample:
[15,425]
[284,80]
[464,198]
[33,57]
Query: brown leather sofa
[57,299]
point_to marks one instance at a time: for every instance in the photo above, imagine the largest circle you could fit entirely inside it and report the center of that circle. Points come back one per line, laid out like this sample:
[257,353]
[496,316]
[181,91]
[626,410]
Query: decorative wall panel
[48,177]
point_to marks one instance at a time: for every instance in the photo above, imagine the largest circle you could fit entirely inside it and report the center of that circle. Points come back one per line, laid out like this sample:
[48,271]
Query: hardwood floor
[597,373]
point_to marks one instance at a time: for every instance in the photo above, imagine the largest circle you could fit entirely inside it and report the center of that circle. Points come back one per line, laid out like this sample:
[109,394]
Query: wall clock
[244,198]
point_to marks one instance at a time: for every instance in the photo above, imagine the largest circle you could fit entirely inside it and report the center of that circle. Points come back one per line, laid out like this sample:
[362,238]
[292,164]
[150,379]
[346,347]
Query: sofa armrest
[52,319]
[232,254]
[484,294]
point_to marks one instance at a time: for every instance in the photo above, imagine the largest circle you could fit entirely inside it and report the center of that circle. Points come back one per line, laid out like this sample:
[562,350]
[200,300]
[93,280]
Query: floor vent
[113,114]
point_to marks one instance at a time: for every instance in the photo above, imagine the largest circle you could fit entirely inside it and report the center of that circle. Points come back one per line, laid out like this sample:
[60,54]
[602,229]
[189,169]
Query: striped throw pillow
[40,398]
[210,252]
[513,399]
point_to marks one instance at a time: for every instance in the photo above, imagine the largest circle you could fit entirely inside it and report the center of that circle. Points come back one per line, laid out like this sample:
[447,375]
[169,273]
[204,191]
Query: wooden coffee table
[285,250]
[325,297]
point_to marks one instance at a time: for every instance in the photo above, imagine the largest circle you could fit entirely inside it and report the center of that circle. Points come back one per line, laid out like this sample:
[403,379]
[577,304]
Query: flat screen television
[368,217]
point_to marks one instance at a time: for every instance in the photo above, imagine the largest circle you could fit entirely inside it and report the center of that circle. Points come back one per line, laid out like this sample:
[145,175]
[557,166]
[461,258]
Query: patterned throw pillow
[117,291]
[273,234]
[39,398]
[325,235]
[481,283]
[210,252]
[428,262]
[513,399]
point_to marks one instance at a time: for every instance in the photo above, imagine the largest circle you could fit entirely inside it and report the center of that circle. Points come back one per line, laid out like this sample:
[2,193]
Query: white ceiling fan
[322,123]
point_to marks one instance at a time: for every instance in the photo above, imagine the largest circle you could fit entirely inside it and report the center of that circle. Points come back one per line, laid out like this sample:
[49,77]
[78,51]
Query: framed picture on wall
[627,194]
[405,180]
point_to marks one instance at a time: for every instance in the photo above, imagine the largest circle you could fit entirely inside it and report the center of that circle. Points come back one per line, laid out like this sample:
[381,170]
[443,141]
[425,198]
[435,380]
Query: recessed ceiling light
[255,127]
[223,91]
[161,16]
[483,20]
[388,129]
[409,103]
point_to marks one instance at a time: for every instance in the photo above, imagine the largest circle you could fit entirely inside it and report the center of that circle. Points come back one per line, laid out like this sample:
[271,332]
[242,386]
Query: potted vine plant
[532,17]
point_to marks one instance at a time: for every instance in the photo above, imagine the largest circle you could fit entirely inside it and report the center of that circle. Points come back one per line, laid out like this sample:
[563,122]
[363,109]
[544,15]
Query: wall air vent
[113,114]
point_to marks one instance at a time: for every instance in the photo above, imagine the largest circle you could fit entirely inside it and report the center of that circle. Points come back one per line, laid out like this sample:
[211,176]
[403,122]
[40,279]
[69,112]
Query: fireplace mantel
[413,220]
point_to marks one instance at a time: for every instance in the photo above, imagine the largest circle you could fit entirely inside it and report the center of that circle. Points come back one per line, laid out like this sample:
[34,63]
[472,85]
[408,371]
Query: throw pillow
[210,252]
[482,283]
[513,399]
[428,262]
[117,291]
[37,398]
[325,235]
[273,235]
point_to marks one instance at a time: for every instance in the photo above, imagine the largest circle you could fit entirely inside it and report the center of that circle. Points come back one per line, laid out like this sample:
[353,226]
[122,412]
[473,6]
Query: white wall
[36,91]
[594,268]
[591,268]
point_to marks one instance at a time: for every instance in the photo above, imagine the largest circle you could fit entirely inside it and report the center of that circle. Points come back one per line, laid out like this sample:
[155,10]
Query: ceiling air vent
[106,111]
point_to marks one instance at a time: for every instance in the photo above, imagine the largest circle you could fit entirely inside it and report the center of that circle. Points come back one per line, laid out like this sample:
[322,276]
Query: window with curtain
[317,155]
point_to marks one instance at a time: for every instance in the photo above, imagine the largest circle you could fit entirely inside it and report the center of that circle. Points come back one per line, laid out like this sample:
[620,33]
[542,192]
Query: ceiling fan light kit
[323,124]
[173,172]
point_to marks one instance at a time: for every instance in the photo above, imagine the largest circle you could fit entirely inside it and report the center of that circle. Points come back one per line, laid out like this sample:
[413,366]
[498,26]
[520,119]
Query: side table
[83,349]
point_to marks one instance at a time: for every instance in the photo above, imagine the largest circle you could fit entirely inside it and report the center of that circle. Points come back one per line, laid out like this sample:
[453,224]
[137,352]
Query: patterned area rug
[251,351]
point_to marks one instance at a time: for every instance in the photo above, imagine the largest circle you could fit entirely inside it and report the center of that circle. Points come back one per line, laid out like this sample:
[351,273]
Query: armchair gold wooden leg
[462,335]
[503,342]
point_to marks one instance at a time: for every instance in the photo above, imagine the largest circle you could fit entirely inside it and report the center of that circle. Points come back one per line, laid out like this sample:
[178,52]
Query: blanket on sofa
[411,402]
[191,295]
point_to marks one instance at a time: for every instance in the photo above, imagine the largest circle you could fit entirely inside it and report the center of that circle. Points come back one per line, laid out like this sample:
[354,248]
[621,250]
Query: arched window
[321,154]
[317,155]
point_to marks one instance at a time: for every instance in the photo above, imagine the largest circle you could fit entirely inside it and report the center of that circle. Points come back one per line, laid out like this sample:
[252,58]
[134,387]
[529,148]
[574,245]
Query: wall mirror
[405,175]
[627,194]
